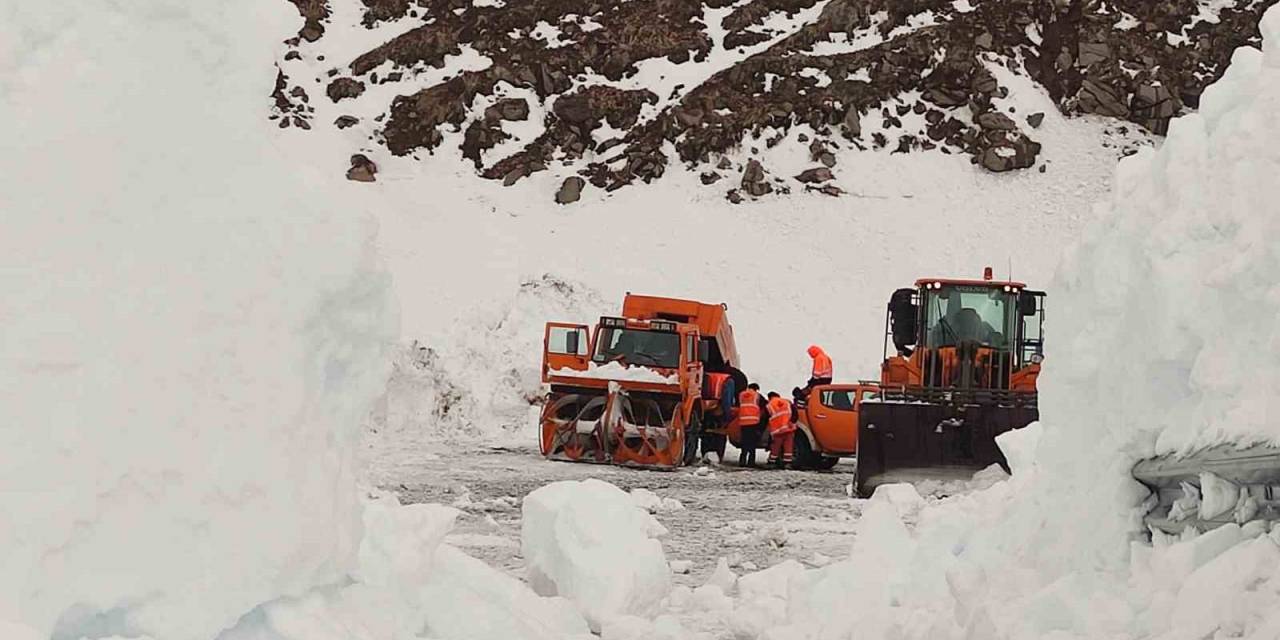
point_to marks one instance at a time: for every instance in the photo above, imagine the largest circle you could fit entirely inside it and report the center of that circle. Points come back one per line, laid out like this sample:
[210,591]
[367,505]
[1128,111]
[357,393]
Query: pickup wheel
[805,456]
[826,464]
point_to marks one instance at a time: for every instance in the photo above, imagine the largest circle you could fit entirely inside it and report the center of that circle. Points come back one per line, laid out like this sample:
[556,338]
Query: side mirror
[902,318]
[1027,304]
[704,351]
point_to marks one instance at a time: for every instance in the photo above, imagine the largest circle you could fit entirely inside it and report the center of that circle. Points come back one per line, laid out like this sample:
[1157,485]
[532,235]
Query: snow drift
[407,584]
[192,325]
[591,542]
[1166,340]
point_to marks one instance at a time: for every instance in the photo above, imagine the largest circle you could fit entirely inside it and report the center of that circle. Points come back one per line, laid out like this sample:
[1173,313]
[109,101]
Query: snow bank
[588,541]
[193,325]
[1179,273]
[478,377]
[1172,288]
[409,585]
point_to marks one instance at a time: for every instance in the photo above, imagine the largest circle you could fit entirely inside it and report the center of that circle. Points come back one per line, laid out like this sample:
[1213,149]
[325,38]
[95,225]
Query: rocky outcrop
[920,79]
[362,169]
[313,12]
[342,88]
[570,190]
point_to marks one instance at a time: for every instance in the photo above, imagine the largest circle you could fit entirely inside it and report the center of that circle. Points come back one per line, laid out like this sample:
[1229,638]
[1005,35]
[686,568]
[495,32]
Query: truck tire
[714,442]
[826,463]
[692,436]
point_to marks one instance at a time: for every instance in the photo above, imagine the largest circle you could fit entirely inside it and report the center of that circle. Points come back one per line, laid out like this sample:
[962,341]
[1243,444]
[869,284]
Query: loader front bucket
[1211,487]
[903,441]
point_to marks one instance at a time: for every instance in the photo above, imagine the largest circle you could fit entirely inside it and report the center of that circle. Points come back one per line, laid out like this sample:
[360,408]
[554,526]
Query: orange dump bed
[709,318]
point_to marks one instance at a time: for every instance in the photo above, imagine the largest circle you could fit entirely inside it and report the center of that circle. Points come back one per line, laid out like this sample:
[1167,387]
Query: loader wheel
[692,436]
[826,464]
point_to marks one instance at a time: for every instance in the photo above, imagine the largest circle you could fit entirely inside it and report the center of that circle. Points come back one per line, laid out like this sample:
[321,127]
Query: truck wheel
[826,464]
[806,457]
[692,435]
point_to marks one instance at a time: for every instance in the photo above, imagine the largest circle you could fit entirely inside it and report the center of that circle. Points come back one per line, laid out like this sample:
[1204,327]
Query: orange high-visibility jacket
[822,367]
[779,414]
[749,408]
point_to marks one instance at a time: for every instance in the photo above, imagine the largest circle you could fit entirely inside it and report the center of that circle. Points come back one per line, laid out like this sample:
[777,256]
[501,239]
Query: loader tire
[692,436]
[826,464]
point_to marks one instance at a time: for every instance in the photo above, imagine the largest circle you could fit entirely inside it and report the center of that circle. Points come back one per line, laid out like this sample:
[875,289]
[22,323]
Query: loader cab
[965,333]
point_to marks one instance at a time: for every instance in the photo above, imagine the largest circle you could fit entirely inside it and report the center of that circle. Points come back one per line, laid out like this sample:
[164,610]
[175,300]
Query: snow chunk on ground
[1217,496]
[408,584]
[653,503]
[901,496]
[588,541]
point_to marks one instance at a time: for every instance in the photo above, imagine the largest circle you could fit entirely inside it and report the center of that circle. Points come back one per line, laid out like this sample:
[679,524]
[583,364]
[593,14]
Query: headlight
[1036,358]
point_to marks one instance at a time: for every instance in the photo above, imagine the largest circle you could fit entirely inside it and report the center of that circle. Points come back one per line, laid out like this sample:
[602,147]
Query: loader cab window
[644,348]
[958,313]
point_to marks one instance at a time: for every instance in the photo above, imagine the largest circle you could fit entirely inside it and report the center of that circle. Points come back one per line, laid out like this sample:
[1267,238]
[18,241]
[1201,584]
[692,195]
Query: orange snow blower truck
[966,357]
[641,389]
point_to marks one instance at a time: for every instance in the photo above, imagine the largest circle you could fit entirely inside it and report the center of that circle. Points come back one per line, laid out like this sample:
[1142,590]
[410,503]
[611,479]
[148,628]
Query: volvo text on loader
[640,389]
[966,355]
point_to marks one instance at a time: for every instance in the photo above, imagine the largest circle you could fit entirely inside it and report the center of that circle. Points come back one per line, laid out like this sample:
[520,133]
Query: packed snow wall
[192,322]
[1164,316]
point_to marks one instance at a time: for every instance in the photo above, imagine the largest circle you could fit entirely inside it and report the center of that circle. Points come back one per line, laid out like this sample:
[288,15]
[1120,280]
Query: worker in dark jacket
[752,417]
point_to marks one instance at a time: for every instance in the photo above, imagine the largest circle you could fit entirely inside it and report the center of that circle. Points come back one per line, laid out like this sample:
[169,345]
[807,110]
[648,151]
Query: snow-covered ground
[196,317]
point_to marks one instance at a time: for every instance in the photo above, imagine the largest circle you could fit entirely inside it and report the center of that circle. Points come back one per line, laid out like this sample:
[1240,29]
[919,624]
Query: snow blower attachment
[641,389]
[1212,487]
[966,357]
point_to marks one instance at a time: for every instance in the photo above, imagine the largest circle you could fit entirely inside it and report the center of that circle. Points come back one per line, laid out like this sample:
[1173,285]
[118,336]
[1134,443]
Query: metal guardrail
[1251,473]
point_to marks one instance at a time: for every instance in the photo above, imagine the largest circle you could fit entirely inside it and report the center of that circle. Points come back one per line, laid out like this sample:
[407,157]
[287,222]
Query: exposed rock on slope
[619,89]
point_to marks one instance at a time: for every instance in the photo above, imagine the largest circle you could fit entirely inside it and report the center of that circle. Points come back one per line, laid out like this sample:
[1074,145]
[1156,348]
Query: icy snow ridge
[1171,289]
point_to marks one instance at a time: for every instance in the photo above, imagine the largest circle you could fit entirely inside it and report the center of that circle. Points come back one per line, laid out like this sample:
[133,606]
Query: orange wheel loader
[966,357]
[642,389]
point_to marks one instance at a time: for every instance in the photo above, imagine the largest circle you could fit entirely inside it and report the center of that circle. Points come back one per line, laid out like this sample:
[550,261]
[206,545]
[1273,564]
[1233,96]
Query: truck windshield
[958,313]
[646,348]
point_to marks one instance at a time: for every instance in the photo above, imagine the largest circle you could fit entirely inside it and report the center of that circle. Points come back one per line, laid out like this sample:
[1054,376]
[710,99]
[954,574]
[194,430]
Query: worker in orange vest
[823,369]
[752,410]
[782,431]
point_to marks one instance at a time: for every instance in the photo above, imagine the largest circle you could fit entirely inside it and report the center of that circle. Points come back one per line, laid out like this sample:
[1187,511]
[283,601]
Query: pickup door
[833,417]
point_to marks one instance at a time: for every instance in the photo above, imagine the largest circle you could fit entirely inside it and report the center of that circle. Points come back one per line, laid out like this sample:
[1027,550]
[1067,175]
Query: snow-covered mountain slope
[615,91]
